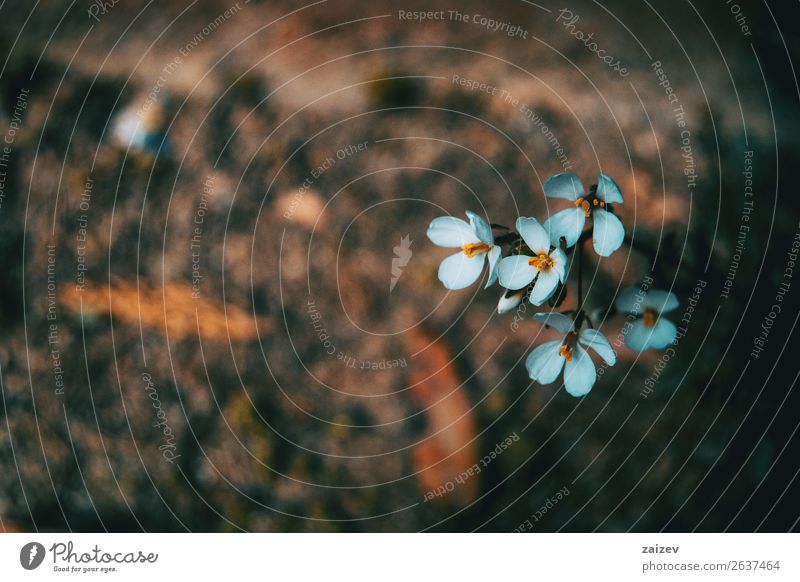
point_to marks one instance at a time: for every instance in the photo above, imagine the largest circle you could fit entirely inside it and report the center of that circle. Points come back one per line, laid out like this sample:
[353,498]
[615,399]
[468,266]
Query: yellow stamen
[584,204]
[472,249]
[650,317]
[567,348]
[543,262]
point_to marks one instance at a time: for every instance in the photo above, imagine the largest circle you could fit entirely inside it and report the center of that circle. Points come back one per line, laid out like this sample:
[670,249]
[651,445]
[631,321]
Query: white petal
[631,300]
[608,191]
[579,373]
[459,271]
[607,233]
[560,263]
[661,301]
[638,336]
[545,287]
[534,234]
[545,363]
[449,231]
[641,338]
[567,223]
[510,300]
[481,228]
[592,338]
[515,272]
[565,185]
[494,255]
[664,332]
[559,321]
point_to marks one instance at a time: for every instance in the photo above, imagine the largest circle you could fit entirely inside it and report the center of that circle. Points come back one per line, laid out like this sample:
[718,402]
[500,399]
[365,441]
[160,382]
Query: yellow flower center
[650,317]
[543,262]
[586,205]
[567,349]
[472,249]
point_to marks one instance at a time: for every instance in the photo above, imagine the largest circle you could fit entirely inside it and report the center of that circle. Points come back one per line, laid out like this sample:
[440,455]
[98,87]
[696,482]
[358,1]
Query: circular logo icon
[31,555]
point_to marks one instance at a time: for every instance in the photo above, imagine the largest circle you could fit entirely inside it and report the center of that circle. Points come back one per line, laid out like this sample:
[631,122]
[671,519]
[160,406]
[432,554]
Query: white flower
[651,330]
[546,361]
[476,242]
[607,230]
[547,266]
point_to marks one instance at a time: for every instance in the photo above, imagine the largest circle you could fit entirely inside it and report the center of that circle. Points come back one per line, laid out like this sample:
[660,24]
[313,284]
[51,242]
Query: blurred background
[220,311]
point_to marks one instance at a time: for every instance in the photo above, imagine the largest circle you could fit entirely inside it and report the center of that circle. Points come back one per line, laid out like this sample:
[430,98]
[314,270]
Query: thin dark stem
[579,247]
[585,235]
[580,314]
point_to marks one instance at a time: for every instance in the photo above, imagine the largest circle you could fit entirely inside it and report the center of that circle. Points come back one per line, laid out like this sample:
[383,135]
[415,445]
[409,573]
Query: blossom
[571,354]
[607,230]
[651,330]
[546,268]
[476,242]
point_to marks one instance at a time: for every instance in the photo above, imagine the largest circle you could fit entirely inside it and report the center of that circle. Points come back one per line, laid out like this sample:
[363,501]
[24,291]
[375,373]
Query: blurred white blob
[140,131]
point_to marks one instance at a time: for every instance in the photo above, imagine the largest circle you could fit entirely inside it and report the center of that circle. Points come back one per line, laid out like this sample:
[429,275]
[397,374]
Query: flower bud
[510,300]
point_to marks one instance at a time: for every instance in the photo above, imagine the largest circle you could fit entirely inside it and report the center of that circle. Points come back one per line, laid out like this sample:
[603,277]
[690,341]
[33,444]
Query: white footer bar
[390,557]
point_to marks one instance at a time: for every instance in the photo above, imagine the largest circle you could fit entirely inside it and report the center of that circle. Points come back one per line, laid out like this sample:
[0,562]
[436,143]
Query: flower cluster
[533,263]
